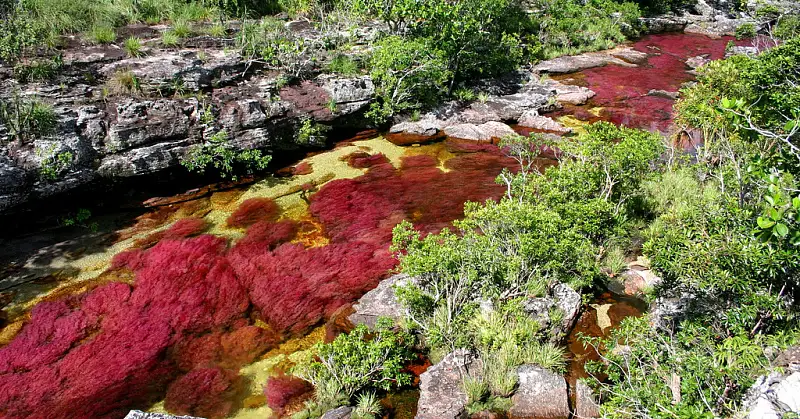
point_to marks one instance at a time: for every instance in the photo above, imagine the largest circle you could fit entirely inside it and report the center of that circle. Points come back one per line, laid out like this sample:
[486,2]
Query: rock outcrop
[562,299]
[380,302]
[541,395]
[441,392]
[123,117]
[483,120]
[774,396]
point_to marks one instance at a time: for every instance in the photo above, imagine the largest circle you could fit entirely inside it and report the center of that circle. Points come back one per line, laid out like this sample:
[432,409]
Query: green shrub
[367,407]
[344,65]
[408,74]
[311,132]
[219,153]
[38,69]
[53,164]
[359,360]
[745,31]
[133,47]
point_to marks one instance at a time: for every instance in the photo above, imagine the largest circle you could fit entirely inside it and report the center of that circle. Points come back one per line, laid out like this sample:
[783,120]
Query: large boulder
[541,395]
[380,302]
[485,132]
[533,120]
[441,392]
[773,396]
[569,93]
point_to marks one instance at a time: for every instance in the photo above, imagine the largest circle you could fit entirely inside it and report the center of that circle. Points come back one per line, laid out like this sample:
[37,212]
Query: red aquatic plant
[302,168]
[252,211]
[363,160]
[283,389]
[205,392]
[182,228]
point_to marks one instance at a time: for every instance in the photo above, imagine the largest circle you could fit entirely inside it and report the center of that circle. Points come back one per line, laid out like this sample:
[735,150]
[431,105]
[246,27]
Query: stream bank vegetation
[719,224]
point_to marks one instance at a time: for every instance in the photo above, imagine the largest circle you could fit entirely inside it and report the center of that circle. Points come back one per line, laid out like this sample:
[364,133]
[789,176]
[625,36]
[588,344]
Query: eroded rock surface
[441,392]
[380,302]
[541,395]
[774,396]
[138,414]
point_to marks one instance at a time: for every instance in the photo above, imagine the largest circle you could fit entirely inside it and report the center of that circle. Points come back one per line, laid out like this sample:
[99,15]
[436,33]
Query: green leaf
[796,203]
[765,223]
[781,229]
[789,126]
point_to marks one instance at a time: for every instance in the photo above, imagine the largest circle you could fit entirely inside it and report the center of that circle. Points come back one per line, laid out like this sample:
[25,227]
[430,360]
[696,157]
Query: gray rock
[741,50]
[569,302]
[145,122]
[483,132]
[342,412]
[664,93]
[350,94]
[570,94]
[138,414]
[698,61]
[242,114]
[380,302]
[665,312]
[539,122]
[441,393]
[575,63]
[789,358]
[11,176]
[664,24]
[539,309]
[541,395]
[773,396]
[585,404]
[426,127]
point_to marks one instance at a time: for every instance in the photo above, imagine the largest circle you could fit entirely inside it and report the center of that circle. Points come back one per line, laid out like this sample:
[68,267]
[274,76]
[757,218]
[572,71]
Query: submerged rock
[541,395]
[441,392]
[380,302]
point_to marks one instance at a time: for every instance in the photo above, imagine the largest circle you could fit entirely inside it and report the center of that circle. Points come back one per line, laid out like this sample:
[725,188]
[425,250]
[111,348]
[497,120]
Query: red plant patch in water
[227,349]
[303,168]
[623,91]
[99,354]
[363,160]
[252,211]
[281,390]
[420,160]
[182,228]
[205,392]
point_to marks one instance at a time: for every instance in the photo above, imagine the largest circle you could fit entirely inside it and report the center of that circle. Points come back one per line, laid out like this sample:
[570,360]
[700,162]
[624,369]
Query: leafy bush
[344,65]
[219,153]
[38,69]
[571,27]
[408,74]
[358,361]
[745,30]
[548,229]
[54,164]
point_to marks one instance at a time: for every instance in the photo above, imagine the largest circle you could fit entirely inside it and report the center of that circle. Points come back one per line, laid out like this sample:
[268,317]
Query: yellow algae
[596,111]
[570,121]
[8,333]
